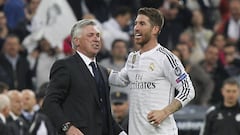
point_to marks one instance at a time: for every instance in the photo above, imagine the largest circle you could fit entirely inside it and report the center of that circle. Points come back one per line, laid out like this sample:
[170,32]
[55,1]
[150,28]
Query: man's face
[142,30]
[235,9]
[219,41]
[230,93]
[11,46]
[119,50]
[16,103]
[184,50]
[211,55]
[230,54]
[124,20]
[28,100]
[197,18]
[89,41]
[120,110]
[33,5]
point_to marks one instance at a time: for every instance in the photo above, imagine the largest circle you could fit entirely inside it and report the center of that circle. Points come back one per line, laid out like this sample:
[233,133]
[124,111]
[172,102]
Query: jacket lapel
[87,75]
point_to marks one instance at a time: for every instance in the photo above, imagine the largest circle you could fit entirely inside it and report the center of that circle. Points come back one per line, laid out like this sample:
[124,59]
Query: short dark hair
[3,86]
[155,16]
[231,81]
[118,40]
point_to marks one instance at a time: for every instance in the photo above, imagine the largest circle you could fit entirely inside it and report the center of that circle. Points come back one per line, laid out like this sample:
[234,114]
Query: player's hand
[155,117]
[74,131]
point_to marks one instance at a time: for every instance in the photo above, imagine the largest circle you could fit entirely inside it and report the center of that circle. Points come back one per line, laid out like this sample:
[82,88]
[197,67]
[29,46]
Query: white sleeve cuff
[123,133]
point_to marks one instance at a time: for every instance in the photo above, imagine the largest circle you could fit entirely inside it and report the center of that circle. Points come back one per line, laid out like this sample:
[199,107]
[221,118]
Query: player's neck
[148,46]
[229,104]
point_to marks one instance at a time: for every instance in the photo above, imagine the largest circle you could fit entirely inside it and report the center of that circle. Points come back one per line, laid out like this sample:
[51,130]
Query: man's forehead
[92,29]
[142,18]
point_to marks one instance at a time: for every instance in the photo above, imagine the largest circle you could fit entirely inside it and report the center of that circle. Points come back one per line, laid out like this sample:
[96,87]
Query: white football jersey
[153,76]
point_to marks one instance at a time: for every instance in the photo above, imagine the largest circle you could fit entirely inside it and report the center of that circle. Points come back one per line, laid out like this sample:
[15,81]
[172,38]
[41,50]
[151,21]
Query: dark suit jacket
[72,96]
[23,73]
[3,128]
[17,127]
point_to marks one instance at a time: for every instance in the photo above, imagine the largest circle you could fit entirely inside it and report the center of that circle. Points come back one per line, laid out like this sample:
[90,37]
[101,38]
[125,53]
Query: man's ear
[156,30]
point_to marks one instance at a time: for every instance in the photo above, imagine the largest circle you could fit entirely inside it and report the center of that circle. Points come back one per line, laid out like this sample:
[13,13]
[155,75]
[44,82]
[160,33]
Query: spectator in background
[41,60]
[41,93]
[3,88]
[14,11]
[230,27]
[202,82]
[4,113]
[118,55]
[196,54]
[211,12]
[215,69]
[117,61]
[17,125]
[41,125]
[224,118]
[177,18]
[200,34]
[219,41]
[15,106]
[4,31]
[119,101]
[23,28]
[28,112]
[113,28]
[232,61]
[16,69]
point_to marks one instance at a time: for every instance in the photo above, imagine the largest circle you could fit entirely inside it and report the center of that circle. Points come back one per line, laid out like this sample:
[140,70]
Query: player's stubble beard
[145,39]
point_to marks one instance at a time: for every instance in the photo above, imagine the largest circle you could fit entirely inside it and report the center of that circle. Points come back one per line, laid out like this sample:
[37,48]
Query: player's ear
[156,30]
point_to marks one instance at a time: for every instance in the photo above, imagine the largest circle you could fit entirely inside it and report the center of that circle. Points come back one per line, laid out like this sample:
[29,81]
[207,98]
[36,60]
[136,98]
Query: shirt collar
[13,116]
[86,60]
[149,51]
[2,118]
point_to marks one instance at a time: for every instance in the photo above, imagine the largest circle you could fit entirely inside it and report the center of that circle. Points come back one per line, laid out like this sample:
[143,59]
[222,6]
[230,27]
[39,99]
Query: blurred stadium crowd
[204,34]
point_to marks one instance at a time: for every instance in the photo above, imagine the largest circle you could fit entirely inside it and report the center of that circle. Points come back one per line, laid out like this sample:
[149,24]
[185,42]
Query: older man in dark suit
[77,101]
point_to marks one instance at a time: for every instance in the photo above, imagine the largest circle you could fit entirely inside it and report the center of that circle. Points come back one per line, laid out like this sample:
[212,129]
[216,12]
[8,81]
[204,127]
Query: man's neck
[148,46]
[227,104]
[198,28]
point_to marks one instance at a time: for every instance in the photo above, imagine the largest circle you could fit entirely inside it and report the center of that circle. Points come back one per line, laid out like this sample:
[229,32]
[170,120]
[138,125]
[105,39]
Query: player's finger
[150,115]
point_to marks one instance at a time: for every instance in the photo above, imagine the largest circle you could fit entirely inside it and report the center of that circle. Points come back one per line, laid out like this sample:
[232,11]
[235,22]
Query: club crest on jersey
[134,59]
[151,66]
[177,71]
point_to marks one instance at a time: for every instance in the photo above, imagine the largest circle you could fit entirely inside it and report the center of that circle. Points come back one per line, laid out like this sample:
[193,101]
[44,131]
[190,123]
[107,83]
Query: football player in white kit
[153,74]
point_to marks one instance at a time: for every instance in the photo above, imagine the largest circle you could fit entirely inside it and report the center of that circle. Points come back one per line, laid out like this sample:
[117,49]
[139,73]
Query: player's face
[230,93]
[89,41]
[142,30]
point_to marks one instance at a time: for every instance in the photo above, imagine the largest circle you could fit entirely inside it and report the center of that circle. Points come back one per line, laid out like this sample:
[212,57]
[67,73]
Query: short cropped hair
[155,16]
[4,101]
[231,81]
